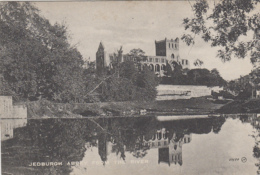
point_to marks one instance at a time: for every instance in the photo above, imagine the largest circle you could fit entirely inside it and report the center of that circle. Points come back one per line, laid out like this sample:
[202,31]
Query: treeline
[36,59]
[127,82]
[205,77]
[245,87]
[38,62]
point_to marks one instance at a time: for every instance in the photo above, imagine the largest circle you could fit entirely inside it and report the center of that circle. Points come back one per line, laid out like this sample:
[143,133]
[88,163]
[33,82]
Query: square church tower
[168,48]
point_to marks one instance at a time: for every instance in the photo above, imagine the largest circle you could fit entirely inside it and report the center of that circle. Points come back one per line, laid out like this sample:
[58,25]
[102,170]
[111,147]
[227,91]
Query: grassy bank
[241,106]
[44,108]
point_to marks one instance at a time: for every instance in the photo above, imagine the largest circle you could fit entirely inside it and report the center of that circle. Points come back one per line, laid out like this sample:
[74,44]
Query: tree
[224,25]
[127,70]
[215,72]
[117,59]
[146,82]
[90,67]
[36,59]
[205,77]
[198,63]
[137,54]
[132,84]
[177,74]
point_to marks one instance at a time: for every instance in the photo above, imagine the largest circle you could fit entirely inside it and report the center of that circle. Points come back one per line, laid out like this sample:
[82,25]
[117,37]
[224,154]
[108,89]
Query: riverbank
[241,106]
[47,109]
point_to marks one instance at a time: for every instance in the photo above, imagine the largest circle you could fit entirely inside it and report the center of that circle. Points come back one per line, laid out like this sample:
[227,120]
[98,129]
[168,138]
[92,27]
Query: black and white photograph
[130,87]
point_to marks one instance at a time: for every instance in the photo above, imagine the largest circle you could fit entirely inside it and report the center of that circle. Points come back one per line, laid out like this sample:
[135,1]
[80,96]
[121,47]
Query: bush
[131,84]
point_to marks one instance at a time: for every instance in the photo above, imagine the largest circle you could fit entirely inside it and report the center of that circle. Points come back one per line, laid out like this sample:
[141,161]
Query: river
[225,144]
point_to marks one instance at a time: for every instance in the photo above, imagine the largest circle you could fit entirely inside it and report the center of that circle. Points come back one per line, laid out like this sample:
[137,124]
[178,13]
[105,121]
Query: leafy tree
[175,74]
[117,59]
[138,54]
[146,82]
[198,63]
[233,86]
[127,70]
[224,25]
[255,77]
[132,84]
[215,72]
[90,68]
[36,59]
[205,77]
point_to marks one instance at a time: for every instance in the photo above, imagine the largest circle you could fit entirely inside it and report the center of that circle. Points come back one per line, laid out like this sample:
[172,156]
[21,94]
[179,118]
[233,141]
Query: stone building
[8,126]
[169,149]
[101,59]
[17,114]
[167,52]
[6,107]
[8,110]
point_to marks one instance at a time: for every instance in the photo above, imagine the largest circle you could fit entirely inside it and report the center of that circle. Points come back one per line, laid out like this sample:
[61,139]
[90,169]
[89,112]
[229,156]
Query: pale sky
[135,24]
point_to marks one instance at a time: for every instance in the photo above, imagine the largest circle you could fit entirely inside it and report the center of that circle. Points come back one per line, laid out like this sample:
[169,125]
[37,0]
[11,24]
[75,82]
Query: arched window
[172,56]
[172,45]
[175,46]
[163,67]
[151,67]
[157,68]
[169,45]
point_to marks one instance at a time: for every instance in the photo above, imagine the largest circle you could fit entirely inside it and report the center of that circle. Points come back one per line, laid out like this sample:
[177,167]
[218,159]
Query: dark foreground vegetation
[47,109]
[38,62]
[241,106]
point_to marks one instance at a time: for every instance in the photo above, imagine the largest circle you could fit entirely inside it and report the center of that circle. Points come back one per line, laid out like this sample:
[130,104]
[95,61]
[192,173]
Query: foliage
[245,93]
[245,86]
[131,84]
[224,94]
[138,54]
[198,63]
[233,86]
[48,141]
[174,73]
[90,70]
[55,140]
[205,77]
[5,88]
[195,77]
[224,26]
[36,59]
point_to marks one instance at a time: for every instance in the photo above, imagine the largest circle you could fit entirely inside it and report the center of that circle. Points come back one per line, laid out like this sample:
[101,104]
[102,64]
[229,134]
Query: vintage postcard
[130,87]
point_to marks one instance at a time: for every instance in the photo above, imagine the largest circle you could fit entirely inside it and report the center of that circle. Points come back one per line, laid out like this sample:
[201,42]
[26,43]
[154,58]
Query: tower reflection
[169,148]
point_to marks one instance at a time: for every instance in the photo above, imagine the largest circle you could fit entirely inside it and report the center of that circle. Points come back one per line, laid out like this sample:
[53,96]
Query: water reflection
[8,126]
[33,147]
[169,147]
[254,120]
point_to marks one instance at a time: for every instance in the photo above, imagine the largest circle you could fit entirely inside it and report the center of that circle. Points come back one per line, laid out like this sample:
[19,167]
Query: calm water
[141,145]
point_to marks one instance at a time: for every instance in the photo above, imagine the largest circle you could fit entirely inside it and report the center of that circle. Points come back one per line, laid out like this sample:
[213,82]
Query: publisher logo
[243,159]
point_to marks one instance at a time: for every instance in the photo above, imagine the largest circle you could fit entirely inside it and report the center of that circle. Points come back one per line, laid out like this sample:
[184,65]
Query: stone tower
[168,48]
[100,60]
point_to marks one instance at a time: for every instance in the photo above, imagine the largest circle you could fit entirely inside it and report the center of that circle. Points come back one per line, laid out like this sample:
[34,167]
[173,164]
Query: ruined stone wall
[8,110]
[170,92]
[19,111]
[6,106]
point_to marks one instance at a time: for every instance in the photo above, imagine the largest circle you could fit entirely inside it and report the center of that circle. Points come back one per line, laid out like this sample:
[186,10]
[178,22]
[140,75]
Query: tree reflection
[133,135]
[46,141]
[254,120]
[66,140]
